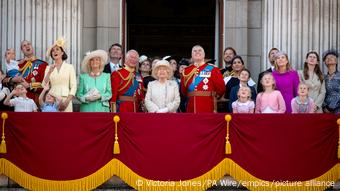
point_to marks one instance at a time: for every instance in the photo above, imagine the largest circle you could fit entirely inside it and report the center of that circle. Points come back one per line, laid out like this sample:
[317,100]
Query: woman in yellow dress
[61,76]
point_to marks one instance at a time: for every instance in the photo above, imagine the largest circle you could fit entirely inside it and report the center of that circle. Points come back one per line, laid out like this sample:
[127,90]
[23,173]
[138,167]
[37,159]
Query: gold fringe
[116,149]
[227,147]
[227,143]
[210,178]
[3,148]
[338,122]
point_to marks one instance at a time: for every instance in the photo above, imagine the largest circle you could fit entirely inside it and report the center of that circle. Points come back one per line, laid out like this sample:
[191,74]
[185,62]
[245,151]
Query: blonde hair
[248,90]
[269,74]
[288,66]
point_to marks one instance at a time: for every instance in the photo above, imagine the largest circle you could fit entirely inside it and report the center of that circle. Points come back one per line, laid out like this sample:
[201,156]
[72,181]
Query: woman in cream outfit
[313,77]
[162,95]
[61,76]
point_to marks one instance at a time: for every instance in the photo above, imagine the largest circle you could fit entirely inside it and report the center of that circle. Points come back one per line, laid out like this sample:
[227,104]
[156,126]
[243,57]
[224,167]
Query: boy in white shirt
[21,103]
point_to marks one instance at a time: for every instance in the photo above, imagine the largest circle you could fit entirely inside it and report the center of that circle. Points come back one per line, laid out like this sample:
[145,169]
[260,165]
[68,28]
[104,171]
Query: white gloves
[163,110]
[93,97]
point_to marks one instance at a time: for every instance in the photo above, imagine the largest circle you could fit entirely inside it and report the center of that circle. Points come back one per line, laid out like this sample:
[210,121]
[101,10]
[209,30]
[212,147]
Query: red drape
[67,146]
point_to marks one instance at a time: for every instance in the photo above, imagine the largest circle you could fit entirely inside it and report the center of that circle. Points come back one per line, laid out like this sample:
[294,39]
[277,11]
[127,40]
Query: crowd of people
[168,84]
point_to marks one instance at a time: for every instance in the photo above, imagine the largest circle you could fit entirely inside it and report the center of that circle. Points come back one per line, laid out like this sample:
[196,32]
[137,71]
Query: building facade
[161,28]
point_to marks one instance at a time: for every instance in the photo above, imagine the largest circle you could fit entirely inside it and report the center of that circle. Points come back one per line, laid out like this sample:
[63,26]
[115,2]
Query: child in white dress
[243,104]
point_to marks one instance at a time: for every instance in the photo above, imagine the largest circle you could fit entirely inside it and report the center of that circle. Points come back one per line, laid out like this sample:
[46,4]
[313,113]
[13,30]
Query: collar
[95,74]
[114,64]
[129,69]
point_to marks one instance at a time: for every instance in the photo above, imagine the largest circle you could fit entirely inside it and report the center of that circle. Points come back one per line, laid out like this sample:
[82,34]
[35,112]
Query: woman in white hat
[162,95]
[94,91]
[61,76]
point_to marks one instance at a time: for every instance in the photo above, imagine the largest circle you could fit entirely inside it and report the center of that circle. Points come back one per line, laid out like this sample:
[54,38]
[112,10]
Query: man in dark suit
[228,55]
[115,54]
[271,57]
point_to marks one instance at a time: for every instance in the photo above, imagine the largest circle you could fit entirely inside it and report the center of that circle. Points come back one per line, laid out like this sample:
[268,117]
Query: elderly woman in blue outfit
[332,82]
[94,91]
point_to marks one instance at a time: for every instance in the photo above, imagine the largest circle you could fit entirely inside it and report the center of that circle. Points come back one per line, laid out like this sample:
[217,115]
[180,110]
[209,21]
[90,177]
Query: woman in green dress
[94,91]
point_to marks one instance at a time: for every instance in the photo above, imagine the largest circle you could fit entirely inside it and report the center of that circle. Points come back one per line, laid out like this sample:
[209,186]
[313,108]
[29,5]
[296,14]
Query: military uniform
[33,72]
[127,91]
[202,85]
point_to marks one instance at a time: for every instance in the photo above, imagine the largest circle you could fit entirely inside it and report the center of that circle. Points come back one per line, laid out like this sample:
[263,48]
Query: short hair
[272,50]
[230,48]
[245,69]
[115,44]
[23,42]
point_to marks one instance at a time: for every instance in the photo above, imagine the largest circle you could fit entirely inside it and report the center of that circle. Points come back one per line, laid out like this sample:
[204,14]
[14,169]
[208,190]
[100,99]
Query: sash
[128,92]
[132,88]
[198,79]
[29,67]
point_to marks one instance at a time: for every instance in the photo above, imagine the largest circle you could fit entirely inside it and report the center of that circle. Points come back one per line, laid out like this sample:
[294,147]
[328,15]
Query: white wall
[299,26]
[41,22]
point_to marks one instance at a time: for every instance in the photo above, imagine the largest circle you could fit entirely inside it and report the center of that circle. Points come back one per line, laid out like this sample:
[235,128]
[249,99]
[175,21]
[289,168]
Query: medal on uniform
[206,80]
[35,72]
[205,74]
[205,87]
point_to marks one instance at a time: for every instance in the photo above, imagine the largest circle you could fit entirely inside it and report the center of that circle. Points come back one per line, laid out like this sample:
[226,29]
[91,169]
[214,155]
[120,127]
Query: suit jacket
[107,68]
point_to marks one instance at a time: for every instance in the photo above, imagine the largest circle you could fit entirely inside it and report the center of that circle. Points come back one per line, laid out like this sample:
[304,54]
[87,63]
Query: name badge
[205,74]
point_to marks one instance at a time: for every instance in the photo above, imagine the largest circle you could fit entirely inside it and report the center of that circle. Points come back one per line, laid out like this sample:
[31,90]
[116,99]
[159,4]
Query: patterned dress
[332,98]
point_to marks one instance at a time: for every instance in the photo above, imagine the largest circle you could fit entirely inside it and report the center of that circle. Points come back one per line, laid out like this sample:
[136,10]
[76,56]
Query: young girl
[270,100]
[244,77]
[243,104]
[48,102]
[303,103]
[21,103]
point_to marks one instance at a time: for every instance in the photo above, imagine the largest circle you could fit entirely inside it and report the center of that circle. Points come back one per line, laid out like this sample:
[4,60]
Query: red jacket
[124,83]
[33,72]
[211,81]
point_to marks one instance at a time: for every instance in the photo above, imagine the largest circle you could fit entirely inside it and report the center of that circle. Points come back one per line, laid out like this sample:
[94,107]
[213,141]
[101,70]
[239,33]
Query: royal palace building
[159,28]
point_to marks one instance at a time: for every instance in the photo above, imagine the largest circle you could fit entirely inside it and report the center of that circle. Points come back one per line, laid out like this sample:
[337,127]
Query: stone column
[102,24]
[108,23]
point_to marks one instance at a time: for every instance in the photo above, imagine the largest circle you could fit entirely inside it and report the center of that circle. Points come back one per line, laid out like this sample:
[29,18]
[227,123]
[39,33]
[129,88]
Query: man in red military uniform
[127,92]
[202,83]
[31,70]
